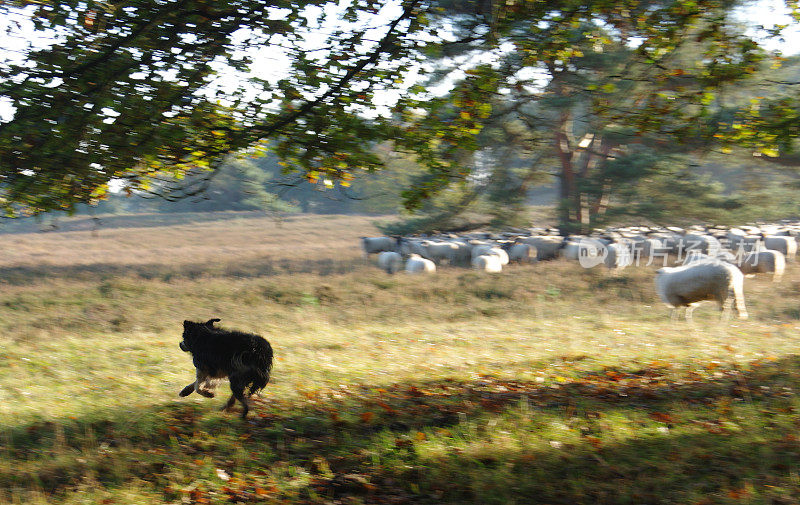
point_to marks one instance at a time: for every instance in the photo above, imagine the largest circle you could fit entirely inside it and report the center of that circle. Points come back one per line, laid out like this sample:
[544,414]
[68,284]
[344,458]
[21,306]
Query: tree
[614,89]
[129,91]
[133,92]
[239,184]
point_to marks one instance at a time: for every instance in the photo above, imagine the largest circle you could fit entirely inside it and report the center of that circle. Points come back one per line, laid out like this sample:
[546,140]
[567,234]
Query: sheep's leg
[726,307]
[738,299]
[688,315]
[740,308]
[673,314]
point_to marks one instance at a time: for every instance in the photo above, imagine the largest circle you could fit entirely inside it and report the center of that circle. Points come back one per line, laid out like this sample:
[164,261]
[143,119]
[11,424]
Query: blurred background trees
[458,111]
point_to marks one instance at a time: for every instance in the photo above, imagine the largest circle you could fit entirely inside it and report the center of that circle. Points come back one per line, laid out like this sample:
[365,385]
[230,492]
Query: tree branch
[384,46]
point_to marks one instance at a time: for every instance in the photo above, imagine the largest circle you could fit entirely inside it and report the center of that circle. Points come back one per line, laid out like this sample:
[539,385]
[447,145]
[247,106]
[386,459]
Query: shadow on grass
[651,435]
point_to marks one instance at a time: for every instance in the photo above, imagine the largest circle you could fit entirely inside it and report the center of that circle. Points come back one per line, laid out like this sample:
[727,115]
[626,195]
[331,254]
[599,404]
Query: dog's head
[192,332]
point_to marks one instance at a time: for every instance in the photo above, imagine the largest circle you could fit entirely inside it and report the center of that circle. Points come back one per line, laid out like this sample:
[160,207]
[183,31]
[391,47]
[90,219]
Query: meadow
[547,383]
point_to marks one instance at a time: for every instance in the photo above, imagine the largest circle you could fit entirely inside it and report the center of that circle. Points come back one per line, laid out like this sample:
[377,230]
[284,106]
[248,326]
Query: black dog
[245,359]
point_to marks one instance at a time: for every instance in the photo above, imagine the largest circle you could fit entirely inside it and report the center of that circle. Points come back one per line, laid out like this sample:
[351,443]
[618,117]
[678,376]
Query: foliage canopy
[141,90]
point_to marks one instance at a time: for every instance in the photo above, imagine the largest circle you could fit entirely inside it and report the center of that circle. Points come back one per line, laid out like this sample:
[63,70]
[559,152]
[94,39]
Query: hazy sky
[769,13]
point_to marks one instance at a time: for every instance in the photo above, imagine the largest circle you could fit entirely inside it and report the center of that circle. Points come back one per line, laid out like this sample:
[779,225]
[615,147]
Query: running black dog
[245,359]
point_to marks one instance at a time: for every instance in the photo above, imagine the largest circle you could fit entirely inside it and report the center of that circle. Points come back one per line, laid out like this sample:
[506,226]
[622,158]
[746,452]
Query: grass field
[544,384]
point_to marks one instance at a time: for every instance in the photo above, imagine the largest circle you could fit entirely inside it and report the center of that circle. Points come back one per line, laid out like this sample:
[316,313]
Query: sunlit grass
[545,381]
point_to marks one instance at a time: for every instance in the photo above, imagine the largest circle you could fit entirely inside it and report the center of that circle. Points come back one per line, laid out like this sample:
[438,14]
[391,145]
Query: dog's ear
[188,324]
[210,322]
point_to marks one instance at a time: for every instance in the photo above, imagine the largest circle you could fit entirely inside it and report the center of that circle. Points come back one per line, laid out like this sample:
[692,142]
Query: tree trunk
[569,208]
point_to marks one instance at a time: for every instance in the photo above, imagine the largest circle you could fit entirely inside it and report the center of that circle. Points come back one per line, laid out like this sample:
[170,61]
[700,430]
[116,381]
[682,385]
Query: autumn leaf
[198,496]
[662,417]
[387,408]
[414,391]
[737,494]
[260,491]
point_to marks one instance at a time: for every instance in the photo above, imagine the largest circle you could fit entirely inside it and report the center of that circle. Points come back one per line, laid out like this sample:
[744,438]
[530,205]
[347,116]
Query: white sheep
[372,245]
[571,250]
[764,261]
[408,246]
[487,263]
[695,256]
[480,249]
[670,242]
[650,250]
[706,244]
[522,253]
[786,245]
[417,264]
[439,251]
[687,285]
[501,254]
[390,262]
[618,256]
[463,253]
[741,242]
[588,251]
[547,247]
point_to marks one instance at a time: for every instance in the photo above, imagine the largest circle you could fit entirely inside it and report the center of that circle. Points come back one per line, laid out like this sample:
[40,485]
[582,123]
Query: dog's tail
[263,368]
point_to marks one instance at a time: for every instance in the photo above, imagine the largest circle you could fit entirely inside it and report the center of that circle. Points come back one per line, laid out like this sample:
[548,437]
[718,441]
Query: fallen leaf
[662,417]
[737,494]
[387,408]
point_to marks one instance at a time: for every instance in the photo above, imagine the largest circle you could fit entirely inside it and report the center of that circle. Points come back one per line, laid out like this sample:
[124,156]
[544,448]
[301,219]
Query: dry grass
[232,246]
[546,380]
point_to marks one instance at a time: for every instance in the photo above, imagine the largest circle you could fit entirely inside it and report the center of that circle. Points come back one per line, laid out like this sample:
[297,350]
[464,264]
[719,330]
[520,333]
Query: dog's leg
[227,406]
[238,384]
[188,390]
[204,384]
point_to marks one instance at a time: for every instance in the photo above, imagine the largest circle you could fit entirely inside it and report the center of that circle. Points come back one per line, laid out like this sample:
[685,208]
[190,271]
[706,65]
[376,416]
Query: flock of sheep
[711,262]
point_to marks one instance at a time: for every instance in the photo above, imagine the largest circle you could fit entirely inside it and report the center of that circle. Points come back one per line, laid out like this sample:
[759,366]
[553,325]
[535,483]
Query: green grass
[544,384]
